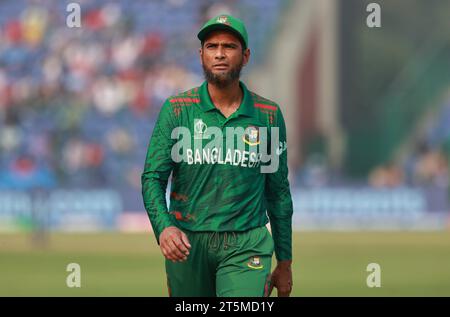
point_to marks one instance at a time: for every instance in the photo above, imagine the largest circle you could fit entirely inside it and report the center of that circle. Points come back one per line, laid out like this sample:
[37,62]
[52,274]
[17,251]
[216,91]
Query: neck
[225,97]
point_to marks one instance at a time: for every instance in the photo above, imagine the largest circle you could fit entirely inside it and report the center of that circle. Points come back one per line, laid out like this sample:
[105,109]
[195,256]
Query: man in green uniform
[226,149]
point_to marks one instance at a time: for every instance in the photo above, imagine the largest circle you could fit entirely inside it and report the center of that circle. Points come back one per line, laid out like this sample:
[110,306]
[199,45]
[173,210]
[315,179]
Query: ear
[200,54]
[246,56]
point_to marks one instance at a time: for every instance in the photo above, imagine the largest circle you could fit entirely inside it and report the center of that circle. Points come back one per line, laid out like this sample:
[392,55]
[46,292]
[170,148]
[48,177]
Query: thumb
[185,240]
[272,284]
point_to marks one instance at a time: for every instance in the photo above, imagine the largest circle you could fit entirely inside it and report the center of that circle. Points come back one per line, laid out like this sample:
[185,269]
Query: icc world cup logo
[199,128]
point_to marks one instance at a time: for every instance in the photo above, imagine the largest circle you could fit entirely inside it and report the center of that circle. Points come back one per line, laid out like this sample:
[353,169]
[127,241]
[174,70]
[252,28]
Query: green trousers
[223,264]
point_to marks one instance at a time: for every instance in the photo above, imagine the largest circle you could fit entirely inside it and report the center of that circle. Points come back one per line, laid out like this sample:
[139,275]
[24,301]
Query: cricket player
[216,140]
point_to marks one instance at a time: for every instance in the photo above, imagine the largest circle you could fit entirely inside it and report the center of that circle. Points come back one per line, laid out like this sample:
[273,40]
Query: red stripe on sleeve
[195,100]
[260,105]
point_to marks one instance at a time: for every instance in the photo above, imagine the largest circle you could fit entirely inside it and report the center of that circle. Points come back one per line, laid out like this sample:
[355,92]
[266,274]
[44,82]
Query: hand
[282,279]
[174,244]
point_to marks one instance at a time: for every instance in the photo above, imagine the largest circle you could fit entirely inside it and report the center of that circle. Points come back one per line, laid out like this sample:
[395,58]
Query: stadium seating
[82,102]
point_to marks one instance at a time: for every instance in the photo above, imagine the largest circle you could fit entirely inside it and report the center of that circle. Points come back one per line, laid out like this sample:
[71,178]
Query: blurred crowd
[429,167]
[427,164]
[78,105]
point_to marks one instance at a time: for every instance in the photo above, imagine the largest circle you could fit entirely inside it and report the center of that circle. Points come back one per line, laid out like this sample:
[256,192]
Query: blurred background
[367,112]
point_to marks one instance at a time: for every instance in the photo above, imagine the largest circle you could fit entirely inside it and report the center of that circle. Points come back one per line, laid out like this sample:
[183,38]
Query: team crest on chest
[251,135]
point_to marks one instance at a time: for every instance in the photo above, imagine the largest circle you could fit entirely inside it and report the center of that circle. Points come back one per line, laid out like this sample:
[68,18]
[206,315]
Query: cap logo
[222,19]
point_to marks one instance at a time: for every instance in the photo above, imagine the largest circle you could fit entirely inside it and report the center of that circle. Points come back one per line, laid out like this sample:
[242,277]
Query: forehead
[222,36]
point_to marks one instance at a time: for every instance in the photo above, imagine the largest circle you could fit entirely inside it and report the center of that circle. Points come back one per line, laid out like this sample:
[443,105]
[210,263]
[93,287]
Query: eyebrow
[223,43]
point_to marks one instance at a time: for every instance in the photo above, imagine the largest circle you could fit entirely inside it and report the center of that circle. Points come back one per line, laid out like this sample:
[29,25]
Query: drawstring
[227,240]
[227,243]
[214,240]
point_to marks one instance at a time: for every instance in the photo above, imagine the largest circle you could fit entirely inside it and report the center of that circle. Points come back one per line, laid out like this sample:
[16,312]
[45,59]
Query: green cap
[225,22]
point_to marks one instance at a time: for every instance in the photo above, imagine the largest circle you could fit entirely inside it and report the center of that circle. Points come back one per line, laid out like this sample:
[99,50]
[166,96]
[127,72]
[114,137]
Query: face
[222,58]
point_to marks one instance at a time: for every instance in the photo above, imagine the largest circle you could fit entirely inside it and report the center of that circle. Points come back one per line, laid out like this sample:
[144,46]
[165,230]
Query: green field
[325,264]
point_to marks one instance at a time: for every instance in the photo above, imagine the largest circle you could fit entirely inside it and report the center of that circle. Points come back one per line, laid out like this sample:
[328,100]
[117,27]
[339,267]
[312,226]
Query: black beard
[223,80]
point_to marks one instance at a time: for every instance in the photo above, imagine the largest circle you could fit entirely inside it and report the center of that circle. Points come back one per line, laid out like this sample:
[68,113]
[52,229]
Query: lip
[220,66]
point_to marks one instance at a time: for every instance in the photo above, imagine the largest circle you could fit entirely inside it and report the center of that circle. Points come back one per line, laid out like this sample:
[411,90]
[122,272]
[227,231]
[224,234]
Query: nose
[220,53]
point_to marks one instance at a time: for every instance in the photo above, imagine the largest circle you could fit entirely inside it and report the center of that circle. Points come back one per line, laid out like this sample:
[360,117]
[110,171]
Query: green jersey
[217,165]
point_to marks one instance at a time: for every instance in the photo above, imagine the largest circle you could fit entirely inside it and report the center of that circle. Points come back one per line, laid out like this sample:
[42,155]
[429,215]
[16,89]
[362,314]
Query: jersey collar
[246,108]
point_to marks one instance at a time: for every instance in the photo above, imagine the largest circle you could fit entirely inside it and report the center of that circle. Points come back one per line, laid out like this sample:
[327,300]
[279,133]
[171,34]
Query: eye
[230,46]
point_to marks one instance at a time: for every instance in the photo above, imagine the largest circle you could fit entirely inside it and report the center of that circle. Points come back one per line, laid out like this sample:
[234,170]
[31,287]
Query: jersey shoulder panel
[183,100]
[265,108]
